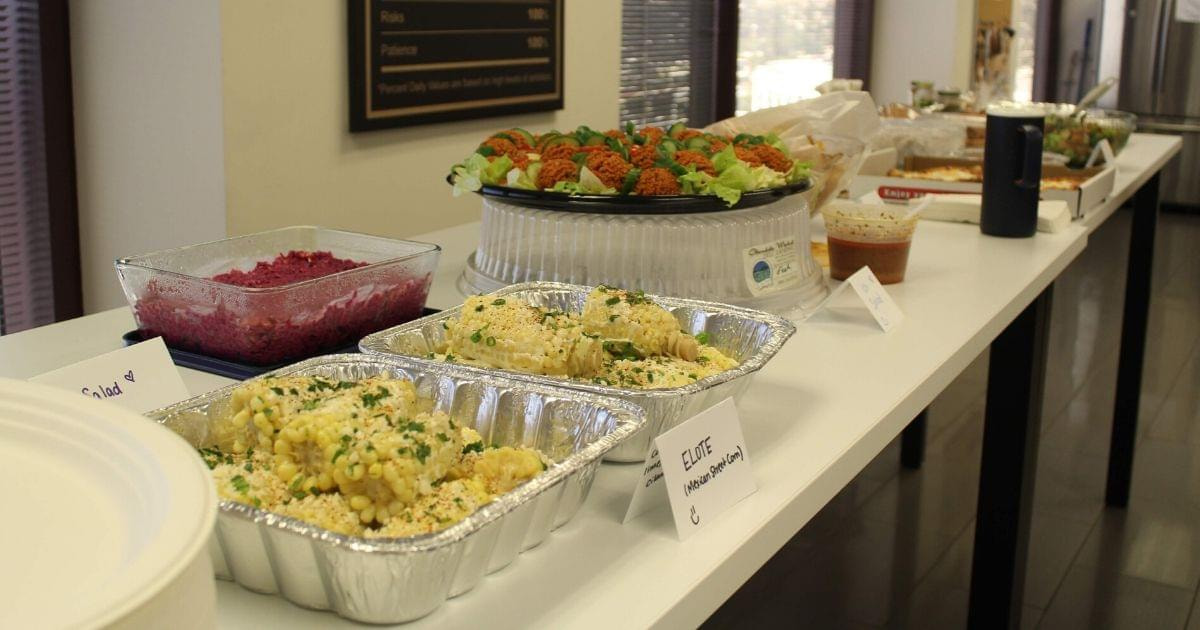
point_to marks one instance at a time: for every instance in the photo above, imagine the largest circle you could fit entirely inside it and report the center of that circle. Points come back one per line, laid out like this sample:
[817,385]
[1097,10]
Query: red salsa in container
[886,260]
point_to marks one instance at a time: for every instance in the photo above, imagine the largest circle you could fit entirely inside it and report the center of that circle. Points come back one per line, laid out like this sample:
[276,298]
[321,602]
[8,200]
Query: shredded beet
[293,266]
[274,327]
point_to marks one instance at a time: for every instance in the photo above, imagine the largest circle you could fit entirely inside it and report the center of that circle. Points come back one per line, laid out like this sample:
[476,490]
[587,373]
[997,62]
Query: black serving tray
[236,369]
[635,204]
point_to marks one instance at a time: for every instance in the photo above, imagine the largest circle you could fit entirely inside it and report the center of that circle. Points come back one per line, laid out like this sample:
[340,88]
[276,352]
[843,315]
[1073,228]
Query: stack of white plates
[106,517]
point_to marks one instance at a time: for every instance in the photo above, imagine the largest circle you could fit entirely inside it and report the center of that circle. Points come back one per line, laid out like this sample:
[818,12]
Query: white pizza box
[1093,191]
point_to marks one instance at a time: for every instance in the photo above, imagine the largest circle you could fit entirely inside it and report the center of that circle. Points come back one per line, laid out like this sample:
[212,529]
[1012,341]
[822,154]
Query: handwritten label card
[651,490]
[873,296]
[705,467]
[140,377]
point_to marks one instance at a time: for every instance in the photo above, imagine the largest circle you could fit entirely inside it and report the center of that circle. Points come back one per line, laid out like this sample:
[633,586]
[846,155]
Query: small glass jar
[950,99]
[922,94]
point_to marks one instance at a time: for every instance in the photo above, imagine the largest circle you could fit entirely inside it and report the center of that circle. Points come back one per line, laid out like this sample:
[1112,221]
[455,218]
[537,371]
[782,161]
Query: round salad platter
[113,515]
[635,204]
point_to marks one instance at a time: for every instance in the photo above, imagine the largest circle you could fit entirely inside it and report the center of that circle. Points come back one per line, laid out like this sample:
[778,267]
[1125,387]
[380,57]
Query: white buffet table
[838,392]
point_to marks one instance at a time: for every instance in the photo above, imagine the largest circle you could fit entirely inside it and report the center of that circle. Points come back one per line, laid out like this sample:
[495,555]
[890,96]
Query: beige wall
[148,152]
[929,40]
[289,158]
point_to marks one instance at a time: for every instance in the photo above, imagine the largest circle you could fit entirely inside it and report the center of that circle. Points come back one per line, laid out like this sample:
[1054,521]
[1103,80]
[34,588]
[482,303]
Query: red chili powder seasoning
[273,327]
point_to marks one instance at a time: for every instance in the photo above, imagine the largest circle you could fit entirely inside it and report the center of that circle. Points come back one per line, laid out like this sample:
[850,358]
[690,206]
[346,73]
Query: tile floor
[893,549]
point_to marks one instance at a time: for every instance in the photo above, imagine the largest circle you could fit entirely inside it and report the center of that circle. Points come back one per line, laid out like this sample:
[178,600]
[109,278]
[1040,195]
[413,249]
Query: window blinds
[26,281]
[667,61]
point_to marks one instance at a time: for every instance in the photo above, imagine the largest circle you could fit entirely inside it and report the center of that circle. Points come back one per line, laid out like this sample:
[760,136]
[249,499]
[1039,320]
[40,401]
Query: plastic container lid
[105,508]
[866,222]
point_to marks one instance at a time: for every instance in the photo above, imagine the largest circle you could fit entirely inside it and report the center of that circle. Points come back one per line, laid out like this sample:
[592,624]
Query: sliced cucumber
[485,150]
[668,147]
[676,130]
[553,142]
[594,140]
[616,145]
[524,134]
[631,180]
[698,143]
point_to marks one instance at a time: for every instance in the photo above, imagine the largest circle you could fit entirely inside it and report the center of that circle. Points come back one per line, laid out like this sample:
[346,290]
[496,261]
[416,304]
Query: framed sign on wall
[418,62]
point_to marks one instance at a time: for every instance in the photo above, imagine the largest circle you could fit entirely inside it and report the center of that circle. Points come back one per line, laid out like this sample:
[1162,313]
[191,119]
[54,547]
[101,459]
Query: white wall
[926,40]
[290,159]
[149,144]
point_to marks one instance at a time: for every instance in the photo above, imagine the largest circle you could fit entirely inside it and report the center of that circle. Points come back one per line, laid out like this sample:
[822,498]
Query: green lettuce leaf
[800,171]
[497,170]
[591,184]
[725,158]
[468,176]
[766,177]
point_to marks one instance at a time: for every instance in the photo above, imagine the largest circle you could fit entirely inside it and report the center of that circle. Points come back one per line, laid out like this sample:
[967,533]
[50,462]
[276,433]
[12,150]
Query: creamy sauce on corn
[362,458]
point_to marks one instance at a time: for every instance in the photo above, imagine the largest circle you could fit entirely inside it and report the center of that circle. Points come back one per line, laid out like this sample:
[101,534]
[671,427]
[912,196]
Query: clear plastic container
[758,257]
[878,236]
[172,294]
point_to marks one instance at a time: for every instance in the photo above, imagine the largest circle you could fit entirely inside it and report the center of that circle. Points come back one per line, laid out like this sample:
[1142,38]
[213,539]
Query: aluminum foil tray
[751,337]
[400,579]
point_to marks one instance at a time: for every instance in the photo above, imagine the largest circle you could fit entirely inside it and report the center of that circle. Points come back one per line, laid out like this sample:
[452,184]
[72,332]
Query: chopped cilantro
[612,300]
[637,297]
[421,452]
[443,437]
[476,447]
[498,302]
[278,391]
[257,502]
[479,308]
[701,360]
[248,466]
[293,391]
[240,484]
[418,427]
[449,358]
[370,400]
[477,335]
[613,318]
[702,337]
[693,376]
[491,341]
[309,405]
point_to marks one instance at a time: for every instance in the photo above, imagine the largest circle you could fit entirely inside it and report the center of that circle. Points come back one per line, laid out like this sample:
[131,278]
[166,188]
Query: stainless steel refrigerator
[1160,82]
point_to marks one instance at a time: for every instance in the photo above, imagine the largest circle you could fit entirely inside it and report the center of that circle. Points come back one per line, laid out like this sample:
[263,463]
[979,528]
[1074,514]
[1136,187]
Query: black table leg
[912,442]
[1133,343]
[1012,422]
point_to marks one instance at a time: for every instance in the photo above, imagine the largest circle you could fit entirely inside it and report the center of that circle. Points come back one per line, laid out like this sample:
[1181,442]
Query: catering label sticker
[140,377]
[705,467]
[772,266]
[868,289]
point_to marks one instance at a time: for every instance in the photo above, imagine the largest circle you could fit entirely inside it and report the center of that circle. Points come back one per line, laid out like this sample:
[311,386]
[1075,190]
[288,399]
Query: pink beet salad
[293,266]
[268,327]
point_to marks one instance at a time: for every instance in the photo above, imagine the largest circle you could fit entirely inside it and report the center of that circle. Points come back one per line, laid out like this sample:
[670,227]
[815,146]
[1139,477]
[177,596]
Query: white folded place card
[867,287]
[140,377]
[703,466]
[1053,214]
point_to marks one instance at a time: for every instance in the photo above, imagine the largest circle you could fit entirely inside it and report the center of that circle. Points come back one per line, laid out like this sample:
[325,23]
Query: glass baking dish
[172,294]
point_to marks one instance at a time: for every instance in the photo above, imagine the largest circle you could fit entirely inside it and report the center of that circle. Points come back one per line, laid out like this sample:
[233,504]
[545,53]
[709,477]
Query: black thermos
[1012,171]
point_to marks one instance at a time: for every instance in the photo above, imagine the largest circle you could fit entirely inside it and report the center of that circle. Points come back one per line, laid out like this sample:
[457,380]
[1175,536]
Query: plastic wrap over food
[392,580]
[751,337]
[829,131]
[926,136]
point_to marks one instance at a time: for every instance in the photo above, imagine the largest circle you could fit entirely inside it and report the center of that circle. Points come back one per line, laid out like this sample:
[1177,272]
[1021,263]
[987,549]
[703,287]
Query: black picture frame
[494,27]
